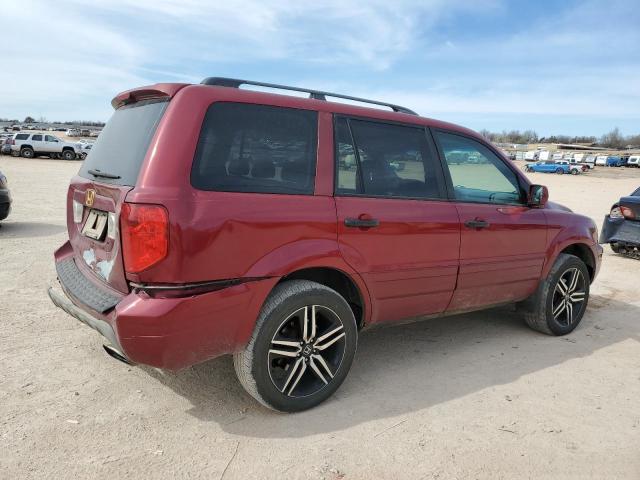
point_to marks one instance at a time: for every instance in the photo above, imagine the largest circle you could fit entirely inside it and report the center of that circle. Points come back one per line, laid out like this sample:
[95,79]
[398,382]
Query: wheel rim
[568,297]
[306,351]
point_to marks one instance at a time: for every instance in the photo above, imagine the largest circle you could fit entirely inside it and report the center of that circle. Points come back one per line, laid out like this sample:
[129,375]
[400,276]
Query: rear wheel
[69,155]
[574,171]
[27,152]
[301,349]
[559,171]
[561,299]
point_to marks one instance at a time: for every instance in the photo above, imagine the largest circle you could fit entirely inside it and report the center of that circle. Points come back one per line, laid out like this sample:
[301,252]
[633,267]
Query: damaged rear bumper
[620,231]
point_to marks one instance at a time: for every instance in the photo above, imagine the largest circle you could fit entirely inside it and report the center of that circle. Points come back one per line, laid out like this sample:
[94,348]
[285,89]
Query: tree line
[613,139]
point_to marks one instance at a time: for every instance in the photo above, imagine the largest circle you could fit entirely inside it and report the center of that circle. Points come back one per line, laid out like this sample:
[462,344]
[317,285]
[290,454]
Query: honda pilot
[212,219]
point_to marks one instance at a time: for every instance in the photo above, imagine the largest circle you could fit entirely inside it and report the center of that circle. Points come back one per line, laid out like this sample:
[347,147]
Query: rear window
[123,143]
[256,148]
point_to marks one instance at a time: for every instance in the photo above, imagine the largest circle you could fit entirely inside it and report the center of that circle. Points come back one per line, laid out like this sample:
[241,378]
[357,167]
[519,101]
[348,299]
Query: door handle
[477,223]
[361,222]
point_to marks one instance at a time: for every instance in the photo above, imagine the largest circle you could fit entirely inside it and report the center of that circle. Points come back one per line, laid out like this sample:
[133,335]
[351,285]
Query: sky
[557,67]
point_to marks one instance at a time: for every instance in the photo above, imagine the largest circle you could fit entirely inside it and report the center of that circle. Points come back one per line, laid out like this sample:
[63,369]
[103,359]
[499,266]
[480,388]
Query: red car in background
[213,220]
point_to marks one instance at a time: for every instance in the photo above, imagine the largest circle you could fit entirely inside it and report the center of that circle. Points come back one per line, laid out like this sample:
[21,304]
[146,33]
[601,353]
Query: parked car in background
[30,145]
[543,155]
[613,161]
[170,281]
[84,150]
[621,228]
[590,160]
[73,132]
[634,161]
[560,167]
[5,197]
[601,160]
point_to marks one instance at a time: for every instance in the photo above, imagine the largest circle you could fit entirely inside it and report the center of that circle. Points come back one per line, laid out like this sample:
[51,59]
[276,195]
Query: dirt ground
[472,396]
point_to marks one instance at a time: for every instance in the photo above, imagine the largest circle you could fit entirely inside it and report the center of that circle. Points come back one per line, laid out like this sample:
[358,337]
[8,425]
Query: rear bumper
[174,333]
[621,231]
[60,300]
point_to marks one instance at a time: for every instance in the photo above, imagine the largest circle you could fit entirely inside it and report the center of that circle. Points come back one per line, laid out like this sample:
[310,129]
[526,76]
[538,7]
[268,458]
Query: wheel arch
[339,281]
[584,253]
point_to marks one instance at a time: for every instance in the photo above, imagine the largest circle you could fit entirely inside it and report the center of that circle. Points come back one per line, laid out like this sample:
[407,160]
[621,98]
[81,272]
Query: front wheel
[301,349]
[561,299]
[560,171]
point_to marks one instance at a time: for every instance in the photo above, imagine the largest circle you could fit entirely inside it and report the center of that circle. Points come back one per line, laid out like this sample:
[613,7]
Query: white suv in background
[28,145]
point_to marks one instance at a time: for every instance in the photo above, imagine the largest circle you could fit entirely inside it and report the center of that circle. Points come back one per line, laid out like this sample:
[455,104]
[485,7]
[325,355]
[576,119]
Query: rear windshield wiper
[98,173]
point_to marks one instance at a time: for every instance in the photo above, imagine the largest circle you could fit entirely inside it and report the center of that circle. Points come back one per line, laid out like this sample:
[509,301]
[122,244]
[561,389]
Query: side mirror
[538,196]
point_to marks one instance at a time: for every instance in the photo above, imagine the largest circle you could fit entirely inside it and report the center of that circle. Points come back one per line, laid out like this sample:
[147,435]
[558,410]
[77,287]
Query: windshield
[123,143]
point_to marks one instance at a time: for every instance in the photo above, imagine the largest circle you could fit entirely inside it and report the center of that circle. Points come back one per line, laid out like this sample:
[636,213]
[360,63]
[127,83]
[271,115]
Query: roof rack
[315,94]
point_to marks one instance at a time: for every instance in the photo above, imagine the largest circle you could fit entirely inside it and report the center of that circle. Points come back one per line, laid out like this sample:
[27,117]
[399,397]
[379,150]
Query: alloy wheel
[306,351]
[568,297]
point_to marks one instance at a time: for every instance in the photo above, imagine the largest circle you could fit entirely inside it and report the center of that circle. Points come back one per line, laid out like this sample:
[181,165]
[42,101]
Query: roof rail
[315,94]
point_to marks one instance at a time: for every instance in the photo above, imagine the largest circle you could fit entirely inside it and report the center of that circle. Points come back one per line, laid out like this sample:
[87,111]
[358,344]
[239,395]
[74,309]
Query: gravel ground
[472,396]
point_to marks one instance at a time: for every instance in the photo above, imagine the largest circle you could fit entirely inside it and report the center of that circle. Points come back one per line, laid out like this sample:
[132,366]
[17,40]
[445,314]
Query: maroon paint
[421,260]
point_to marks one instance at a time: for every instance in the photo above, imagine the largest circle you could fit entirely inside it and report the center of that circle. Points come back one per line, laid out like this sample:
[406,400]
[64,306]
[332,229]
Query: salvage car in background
[5,197]
[560,167]
[30,145]
[621,228]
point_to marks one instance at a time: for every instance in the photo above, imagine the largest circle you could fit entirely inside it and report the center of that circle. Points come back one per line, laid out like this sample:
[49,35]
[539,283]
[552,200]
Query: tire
[544,311]
[53,156]
[574,171]
[69,155]
[27,152]
[560,171]
[291,377]
[83,155]
[614,247]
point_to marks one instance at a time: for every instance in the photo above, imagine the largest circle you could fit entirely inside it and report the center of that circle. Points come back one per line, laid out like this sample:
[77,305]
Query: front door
[503,241]
[394,226]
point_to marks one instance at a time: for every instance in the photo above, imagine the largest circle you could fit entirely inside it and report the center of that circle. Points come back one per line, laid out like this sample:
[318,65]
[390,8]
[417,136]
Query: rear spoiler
[159,90]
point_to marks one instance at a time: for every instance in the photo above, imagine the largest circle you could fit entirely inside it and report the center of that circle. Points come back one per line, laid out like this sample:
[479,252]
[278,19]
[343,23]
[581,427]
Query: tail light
[615,212]
[144,234]
[10,141]
[627,213]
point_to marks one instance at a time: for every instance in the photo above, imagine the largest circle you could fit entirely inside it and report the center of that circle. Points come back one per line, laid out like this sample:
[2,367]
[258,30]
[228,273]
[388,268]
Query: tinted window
[49,138]
[123,143]
[37,138]
[256,148]
[22,136]
[477,174]
[391,161]
[347,165]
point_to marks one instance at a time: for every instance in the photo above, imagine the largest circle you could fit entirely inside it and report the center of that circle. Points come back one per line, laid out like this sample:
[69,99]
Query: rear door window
[22,136]
[256,148]
[389,160]
[123,143]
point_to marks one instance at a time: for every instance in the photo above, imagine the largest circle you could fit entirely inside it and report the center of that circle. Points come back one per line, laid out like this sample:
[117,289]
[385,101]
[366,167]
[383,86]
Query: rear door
[503,241]
[394,226]
[97,193]
[37,142]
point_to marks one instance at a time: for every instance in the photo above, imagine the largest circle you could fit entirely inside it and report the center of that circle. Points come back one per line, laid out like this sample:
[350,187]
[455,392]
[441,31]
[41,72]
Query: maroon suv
[211,220]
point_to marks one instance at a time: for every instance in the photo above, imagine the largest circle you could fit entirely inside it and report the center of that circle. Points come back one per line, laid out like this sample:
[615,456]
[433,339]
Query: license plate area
[96,225]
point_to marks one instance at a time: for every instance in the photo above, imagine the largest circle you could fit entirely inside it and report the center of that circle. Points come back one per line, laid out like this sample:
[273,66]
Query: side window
[50,138]
[478,175]
[391,161]
[256,148]
[22,136]
[347,165]
[37,138]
